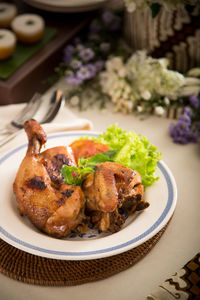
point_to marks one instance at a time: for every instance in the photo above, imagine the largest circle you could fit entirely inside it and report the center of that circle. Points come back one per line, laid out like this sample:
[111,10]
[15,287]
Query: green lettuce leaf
[127,148]
[75,175]
[133,151]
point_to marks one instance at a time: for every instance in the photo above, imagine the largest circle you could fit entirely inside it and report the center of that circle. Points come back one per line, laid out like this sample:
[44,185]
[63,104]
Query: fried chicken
[113,192]
[107,196]
[51,205]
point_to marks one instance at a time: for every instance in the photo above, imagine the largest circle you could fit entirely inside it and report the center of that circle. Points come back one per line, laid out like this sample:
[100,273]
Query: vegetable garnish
[134,151]
[75,175]
[127,148]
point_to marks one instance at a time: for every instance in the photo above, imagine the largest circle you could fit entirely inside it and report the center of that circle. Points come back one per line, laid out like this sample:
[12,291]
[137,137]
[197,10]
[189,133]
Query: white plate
[67,5]
[19,232]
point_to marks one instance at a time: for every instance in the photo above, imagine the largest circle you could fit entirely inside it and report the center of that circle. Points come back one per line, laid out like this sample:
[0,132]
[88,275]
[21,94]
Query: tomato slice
[87,148]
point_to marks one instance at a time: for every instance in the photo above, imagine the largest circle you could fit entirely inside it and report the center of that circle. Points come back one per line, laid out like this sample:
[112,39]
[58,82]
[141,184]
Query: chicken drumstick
[54,207]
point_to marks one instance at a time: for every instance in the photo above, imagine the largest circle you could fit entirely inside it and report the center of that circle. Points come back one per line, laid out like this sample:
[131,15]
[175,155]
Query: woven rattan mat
[33,269]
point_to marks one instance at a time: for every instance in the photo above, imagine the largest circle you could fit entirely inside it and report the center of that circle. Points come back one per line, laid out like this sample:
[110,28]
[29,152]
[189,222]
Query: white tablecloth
[180,242]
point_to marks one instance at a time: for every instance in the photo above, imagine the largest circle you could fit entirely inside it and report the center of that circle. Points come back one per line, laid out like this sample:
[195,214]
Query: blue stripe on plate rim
[151,230]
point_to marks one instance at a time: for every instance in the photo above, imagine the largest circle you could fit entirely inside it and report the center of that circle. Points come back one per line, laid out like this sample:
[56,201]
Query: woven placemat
[33,269]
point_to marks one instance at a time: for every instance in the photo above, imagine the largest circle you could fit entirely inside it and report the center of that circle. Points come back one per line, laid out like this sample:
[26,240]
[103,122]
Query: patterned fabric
[184,284]
[174,34]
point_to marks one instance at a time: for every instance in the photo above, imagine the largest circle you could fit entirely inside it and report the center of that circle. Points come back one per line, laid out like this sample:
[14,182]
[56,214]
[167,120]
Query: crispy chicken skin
[51,205]
[112,193]
[107,196]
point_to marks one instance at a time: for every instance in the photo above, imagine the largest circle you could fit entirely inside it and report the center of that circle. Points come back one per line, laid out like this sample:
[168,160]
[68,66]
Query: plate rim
[63,7]
[104,252]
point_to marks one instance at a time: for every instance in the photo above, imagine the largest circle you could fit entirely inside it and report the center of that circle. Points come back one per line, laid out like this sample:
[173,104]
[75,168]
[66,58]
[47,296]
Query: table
[179,243]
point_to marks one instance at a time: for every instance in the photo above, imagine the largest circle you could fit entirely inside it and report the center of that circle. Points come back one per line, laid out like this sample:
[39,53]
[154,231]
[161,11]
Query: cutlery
[25,114]
[52,106]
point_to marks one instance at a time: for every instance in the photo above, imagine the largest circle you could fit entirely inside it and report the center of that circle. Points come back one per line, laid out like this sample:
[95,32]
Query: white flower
[159,110]
[117,61]
[139,108]
[164,62]
[142,77]
[122,72]
[166,101]
[114,64]
[109,66]
[146,95]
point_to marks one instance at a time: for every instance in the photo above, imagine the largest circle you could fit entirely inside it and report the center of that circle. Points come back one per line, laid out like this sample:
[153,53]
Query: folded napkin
[184,284]
[64,121]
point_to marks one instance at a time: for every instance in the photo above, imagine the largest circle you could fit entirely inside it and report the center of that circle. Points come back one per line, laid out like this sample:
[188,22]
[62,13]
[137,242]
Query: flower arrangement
[133,82]
[144,84]
[155,5]
[85,57]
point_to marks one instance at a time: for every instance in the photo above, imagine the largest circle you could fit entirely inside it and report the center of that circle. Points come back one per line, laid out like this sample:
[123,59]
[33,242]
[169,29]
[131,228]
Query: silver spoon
[54,104]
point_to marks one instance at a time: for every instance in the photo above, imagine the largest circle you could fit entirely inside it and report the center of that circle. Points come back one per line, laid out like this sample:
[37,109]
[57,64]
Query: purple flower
[67,58]
[108,17]
[188,111]
[105,47]
[185,119]
[194,101]
[112,20]
[86,54]
[92,69]
[83,73]
[86,72]
[99,65]
[182,132]
[73,79]
[75,64]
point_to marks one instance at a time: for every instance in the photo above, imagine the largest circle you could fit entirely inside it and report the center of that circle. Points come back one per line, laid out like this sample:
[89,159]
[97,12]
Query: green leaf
[133,151]
[75,175]
[97,159]
[67,173]
[155,8]
[127,148]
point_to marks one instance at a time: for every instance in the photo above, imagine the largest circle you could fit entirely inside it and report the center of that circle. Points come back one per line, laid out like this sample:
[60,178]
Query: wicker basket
[174,34]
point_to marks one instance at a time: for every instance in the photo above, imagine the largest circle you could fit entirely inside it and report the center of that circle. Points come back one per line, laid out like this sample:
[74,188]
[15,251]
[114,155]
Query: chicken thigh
[51,205]
[112,193]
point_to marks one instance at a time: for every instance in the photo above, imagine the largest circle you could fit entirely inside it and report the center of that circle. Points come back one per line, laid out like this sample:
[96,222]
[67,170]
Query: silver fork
[53,105]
